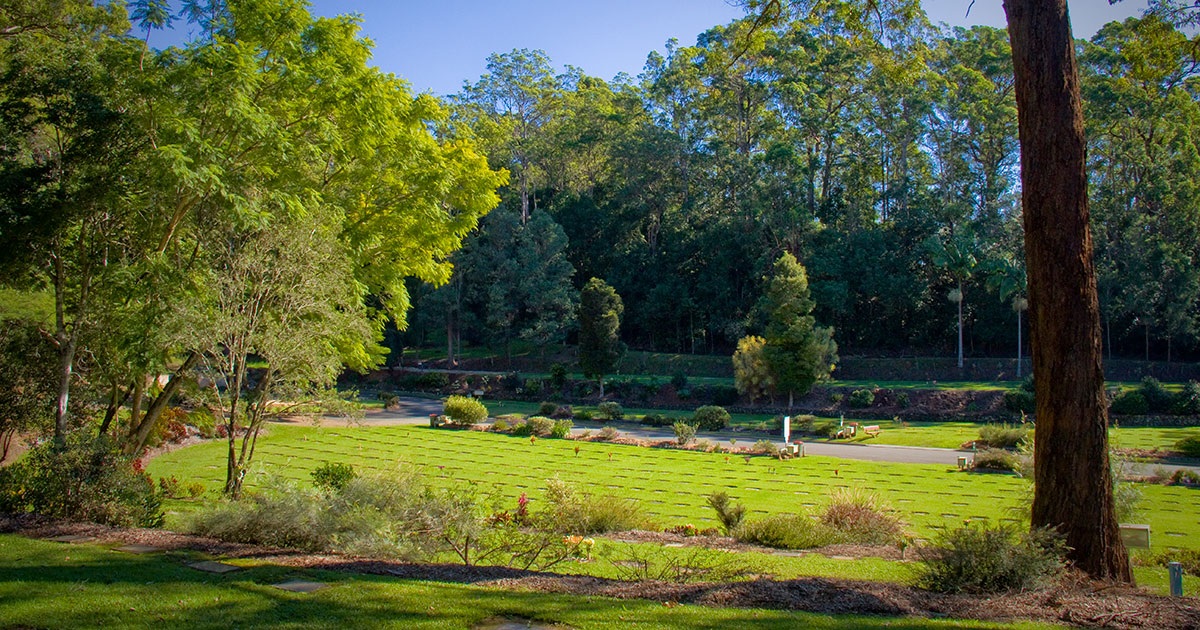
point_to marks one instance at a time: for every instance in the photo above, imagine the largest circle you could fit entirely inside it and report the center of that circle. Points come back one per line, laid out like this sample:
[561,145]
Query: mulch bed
[1073,600]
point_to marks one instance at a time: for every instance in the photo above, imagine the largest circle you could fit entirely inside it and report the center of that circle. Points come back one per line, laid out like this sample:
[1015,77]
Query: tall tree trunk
[960,336]
[1073,481]
[141,430]
[1018,344]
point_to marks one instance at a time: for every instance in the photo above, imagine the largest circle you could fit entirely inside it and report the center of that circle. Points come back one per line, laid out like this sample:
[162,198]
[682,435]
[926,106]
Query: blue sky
[436,45]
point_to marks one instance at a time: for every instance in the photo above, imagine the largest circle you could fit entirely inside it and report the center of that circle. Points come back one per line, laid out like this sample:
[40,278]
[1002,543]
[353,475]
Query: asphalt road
[416,411]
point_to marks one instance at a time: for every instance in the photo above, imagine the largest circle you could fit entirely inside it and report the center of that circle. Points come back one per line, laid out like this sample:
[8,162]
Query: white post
[787,429]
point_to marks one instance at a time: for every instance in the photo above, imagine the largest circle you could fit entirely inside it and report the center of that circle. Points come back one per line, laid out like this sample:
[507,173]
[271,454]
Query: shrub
[679,381]
[800,424]
[684,433]
[558,376]
[728,513]
[540,426]
[996,459]
[572,511]
[532,385]
[547,409]
[859,518]
[784,531]
[563,412]
[1189,446]
[1029,384]
[1003,435]
[195,489]
[1184,477]
[432,380]
[657,420]
[723,394]
[607,434]
[1019,401]
[584,415]
[562,428]
[333,477]
[1131,403]
[977,559]
[836,398]
[610,411]
[861,399]
[1187,403]
[87,480]
[1189,558]
[1158,399]
[828,428]
[521,428]
[683,393]
[902,400]
[711,418]
[764,447]
[464,410]
[501,426]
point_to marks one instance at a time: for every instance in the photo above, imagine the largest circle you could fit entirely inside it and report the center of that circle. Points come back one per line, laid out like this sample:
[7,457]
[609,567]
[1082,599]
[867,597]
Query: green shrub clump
[711,418]
[547,409]
[1158,399]
[540,426]
[828,428]
[1189,446]
[330,476]
[561,429]
[1130,404]
[572,511]
[729,513]
[860,518]
[996,459]
[558,376]
[657,420]
[684,433]
[784,531]
[861,399]
[85,480]
[1020,401]
[977,560]
[1187,403]
[610,411]
[464,410]
[1003,435]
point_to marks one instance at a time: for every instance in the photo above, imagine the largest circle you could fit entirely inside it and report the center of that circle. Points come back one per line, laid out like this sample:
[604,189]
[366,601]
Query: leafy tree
[798,352]
[600,311]
[957,254]
[751,373]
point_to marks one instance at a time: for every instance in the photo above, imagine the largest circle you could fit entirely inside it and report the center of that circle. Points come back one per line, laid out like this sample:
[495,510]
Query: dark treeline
[888,165]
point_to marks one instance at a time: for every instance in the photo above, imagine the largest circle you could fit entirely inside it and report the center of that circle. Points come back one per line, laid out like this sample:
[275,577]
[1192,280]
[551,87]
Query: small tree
[600,311]
[751,374]
[798,352]
[464,410]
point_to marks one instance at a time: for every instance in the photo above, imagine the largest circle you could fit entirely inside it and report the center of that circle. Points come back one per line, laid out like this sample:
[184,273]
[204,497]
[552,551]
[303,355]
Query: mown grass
[670,485]
[45,584]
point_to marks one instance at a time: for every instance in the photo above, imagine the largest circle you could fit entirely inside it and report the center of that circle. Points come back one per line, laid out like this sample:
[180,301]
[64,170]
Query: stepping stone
[209,566]
[300,586]
[73,539]
[138,549]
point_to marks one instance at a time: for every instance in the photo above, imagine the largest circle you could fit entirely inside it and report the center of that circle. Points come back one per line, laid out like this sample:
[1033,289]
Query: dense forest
[885,160]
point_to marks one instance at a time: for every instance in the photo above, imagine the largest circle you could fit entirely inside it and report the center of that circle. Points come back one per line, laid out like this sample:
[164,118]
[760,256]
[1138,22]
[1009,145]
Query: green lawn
[670,485]
[52,585]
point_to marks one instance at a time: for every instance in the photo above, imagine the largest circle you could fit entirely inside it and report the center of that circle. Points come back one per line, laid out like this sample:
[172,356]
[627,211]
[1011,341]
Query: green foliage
[610,411]
[711,418]
[679,380]
[996,459]
[600,310]
[464,410]
[547,409]
[501,426]
[1187,402]
[542,427]
[861,399]
[1189,446]
[785,531]
[333,476]
[1131,403]
[684,433]
[860,518]
[558,376]
[584,415]
[982,559]
[1003,435]
[84,480]
[574,511]
[764,447]
[1158,399]
[798,352]
[561,429]
[1189,558]
[1020,401]
[27,362]
[751,373]
[432,380]
[657,420]
[729,513]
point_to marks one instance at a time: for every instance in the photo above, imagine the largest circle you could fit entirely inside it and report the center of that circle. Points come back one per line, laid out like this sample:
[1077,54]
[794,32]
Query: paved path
[416,411]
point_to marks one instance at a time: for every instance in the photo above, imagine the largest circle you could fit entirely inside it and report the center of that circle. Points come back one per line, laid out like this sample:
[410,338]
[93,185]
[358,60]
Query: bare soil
[1073,600]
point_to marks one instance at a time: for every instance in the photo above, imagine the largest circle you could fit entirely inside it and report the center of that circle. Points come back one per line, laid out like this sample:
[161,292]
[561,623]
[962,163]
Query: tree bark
[1073,482]
[141,430]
